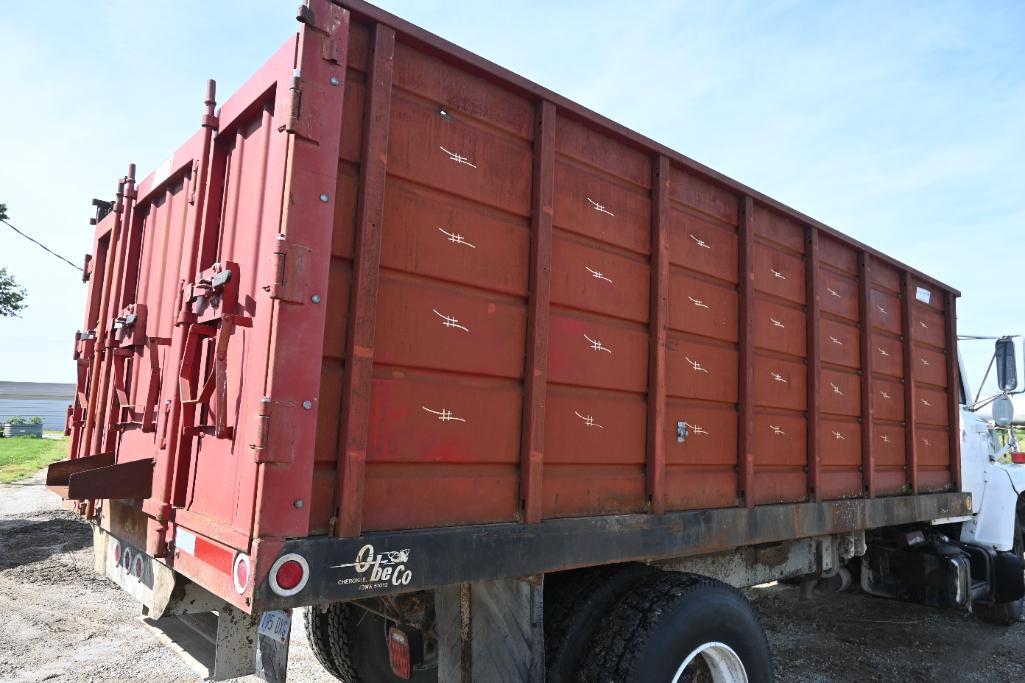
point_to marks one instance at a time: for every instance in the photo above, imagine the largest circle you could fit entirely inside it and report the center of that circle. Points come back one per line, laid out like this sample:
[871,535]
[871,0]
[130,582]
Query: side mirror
[1003,411]
[1007,365]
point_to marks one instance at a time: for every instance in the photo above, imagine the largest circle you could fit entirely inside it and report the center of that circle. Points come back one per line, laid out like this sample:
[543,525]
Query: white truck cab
[988,470]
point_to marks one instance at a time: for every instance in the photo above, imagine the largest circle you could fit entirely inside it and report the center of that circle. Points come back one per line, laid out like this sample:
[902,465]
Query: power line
[40,244]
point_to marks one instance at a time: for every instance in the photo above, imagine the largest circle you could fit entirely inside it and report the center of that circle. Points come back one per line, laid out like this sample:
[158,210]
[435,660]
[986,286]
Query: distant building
[30,399]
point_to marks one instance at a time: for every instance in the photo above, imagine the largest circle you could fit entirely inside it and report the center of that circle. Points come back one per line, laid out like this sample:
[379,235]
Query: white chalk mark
[449,321]
[456,238]
[777,431]
[458,158]
[597,345]
[924,361]
[836,389]
[778,275]
[839,436]
[922,323]
[886,439]
[600,208]
[696,429]
[776,323]
[833,292]
[588,420]
[836,341]
[700,242]
[444,415]
[885,395]
[925,441]
[598,275]
[696,365]
[698,302]
[882,310]
[925,403]
[883,351]
[778,377]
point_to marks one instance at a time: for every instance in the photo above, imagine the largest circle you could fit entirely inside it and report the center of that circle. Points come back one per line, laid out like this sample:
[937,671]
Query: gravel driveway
[59,621]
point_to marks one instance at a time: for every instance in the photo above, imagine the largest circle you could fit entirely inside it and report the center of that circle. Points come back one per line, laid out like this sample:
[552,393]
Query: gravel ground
[59,621]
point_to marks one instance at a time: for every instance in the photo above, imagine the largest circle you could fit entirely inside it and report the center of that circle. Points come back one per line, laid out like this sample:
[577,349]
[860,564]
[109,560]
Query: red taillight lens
[1018,458]
[289,574]
[398,653]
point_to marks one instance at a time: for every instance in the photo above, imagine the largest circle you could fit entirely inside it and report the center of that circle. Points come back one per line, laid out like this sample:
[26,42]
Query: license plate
[276,625]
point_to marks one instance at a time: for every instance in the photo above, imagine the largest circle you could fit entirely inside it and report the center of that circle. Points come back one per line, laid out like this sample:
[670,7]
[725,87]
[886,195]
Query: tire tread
[618,646]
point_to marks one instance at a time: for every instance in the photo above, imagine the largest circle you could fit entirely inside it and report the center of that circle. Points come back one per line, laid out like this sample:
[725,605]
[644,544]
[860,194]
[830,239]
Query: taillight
[1018,458]
[117,552]
[398,653]
[289,574]
[240,573]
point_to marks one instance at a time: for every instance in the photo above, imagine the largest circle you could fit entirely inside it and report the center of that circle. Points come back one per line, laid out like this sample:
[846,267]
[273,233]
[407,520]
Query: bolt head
[307,405]
[334,80]
[324,198]
[297,504]
[315,298]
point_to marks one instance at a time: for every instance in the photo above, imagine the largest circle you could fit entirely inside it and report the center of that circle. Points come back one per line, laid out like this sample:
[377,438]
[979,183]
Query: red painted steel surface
[389,285]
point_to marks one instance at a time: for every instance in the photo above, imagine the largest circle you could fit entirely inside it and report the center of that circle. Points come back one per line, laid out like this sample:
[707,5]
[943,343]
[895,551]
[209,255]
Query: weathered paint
[389,285]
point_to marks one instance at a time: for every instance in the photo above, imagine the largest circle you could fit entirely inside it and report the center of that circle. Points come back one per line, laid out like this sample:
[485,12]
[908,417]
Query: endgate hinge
[295,102]
[271,432]
[260,430]
[193,181]
[291,272]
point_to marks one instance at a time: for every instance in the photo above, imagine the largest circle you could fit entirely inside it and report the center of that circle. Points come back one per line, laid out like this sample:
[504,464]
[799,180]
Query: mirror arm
[992,359]
[979,405]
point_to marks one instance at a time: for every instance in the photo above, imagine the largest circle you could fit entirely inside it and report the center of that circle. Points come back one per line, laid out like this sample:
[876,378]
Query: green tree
[12,297]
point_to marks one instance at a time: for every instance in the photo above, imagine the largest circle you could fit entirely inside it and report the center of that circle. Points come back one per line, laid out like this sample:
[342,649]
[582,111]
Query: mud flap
[272,646]
[491,631]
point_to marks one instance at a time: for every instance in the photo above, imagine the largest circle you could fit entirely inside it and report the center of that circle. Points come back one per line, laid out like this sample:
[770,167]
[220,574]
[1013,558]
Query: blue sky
[901,124]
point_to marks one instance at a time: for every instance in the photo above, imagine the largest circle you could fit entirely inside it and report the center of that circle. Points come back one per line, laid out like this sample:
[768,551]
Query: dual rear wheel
[627,623]
[640,624]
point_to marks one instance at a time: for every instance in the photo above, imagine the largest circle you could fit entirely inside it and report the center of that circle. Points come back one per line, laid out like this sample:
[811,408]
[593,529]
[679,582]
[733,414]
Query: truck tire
[1007,613]
[679,628]
[349,642]
[574,604]
[329,639]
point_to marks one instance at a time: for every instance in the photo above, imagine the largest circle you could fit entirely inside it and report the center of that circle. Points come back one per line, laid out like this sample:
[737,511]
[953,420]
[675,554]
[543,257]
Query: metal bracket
[292,272]
[681,431]
[272,422]
[214,295]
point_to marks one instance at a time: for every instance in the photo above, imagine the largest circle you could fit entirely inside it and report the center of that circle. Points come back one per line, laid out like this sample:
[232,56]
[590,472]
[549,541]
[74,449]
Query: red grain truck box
[395,319]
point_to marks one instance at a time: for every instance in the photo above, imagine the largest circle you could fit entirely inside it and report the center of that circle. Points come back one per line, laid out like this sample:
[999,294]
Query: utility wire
[40,244]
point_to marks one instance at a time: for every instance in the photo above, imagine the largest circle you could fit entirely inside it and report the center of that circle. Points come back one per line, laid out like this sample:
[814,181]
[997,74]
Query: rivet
[334,80]
[315,298]
[324,198]
[307,405]
[297,504]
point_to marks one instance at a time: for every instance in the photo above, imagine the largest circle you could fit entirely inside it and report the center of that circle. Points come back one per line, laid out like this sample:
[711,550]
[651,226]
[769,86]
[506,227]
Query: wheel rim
[711,663]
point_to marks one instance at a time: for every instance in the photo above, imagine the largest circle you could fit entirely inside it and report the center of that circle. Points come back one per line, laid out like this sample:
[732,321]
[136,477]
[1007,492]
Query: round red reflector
[242,574]
[117,553]
[289,574]
[1018,458]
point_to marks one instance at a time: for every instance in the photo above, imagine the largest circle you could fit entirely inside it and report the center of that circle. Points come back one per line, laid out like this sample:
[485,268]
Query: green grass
[22,457]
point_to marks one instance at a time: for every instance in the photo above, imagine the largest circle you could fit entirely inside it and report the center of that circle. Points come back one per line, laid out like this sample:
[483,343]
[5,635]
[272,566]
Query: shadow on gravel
[24,541]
